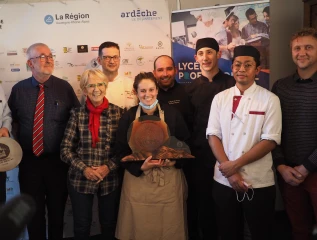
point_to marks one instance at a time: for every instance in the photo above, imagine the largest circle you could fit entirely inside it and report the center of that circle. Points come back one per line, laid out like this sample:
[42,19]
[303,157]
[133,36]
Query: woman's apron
[153,206]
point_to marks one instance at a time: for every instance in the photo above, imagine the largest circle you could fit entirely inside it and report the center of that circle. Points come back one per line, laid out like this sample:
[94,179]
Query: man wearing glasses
[120,89]
[40,108]
[244,126]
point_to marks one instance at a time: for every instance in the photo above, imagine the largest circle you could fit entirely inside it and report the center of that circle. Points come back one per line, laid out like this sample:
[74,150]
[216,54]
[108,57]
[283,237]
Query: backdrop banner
[230,25]
[74,30]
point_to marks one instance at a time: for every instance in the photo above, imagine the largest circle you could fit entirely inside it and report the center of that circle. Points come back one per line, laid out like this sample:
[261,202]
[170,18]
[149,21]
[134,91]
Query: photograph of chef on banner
[231,26]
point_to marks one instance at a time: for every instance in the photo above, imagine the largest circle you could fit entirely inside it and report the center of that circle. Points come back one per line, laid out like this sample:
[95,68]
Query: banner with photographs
[231,26]
[74,30]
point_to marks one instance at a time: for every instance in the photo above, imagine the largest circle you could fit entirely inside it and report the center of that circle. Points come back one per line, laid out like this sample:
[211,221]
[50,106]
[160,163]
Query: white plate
[10,154]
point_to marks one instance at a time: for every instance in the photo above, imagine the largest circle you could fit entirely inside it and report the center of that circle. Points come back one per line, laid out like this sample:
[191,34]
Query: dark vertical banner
[231,26]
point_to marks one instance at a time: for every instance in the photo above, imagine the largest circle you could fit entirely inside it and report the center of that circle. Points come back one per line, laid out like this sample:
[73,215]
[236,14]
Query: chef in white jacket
[244,126]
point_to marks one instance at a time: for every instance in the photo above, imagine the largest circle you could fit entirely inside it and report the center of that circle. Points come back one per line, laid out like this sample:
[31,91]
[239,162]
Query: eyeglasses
[108,58]
[246,66]
[94,85]
[44,57]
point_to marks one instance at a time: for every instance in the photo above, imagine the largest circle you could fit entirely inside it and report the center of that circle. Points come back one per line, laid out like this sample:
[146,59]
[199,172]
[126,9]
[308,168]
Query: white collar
[248,91]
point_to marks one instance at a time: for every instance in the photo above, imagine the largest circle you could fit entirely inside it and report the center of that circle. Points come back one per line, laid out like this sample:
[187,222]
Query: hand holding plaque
[149,136]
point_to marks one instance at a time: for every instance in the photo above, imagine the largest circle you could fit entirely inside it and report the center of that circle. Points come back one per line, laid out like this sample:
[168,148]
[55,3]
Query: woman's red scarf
[94,118]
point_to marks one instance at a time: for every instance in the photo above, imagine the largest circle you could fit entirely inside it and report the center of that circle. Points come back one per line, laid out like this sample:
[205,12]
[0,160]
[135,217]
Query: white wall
[287,18]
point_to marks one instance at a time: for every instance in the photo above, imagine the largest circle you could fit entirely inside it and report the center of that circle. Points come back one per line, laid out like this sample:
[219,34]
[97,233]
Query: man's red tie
[38,123]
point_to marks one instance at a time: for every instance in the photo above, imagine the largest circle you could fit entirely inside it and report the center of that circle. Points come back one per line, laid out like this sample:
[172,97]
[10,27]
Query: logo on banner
[152,60]
[128,47]
[13,65]
[94,49]
[125,62]
[186,70]
[141,15]
[67,49]
[78,77]
[57,65]
[15,69]
[145,47]
[160,45]
[71,16]
[67,18]
[128,74]
[140,61]
[12,53]
[129,94]
[48,19]
[1,23]
[94,63]
[82,48]
[76,65]
[65,78]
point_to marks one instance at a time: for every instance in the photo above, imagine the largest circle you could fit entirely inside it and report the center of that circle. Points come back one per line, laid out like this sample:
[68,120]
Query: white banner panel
[74,30]
[140,27]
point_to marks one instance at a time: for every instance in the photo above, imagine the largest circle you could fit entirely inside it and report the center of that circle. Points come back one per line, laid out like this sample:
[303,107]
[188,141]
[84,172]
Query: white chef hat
[196,14]
[207,15]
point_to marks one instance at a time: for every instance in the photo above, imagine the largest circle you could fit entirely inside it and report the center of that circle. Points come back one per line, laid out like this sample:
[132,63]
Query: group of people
[229,35]
[233,126]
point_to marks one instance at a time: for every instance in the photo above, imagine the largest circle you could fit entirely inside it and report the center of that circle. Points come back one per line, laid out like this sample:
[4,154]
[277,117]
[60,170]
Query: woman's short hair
[143,75]
[92,72]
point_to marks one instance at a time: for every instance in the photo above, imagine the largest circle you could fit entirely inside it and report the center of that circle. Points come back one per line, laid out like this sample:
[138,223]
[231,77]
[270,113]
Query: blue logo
[48,19]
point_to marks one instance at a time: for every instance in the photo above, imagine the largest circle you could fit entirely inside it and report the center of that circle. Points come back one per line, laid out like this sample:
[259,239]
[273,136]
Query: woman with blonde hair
[87,147]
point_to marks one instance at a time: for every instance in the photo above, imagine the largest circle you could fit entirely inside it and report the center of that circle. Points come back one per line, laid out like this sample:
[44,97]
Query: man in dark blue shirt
[42,174]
